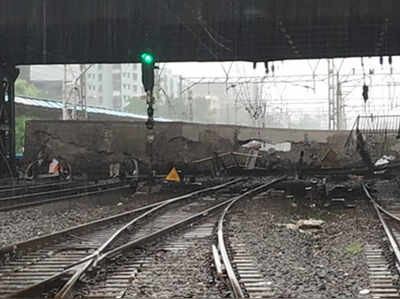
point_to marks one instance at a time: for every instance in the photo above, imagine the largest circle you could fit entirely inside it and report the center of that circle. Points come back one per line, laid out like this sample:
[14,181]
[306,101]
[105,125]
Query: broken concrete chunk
[310,224]
[364,292]
[291,226]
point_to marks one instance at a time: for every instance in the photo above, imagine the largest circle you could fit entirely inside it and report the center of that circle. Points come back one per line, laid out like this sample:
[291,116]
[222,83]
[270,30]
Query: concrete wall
[94,144]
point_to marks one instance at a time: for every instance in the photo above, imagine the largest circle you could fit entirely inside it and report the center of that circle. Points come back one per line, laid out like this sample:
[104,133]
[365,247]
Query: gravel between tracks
[20,225]
[24,224]
[304,264]
[388,190]
[180,274]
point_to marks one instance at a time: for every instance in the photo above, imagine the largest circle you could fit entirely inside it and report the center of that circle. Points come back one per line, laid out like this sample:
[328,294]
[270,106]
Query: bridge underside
[93,31]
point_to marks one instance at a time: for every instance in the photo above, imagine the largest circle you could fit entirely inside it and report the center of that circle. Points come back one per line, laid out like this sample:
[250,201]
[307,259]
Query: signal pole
[148,84]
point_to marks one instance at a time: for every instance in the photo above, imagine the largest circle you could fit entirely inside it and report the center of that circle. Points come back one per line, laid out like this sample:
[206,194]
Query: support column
[8,76]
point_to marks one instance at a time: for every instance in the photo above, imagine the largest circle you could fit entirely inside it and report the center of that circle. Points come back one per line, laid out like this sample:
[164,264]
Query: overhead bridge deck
[94,31]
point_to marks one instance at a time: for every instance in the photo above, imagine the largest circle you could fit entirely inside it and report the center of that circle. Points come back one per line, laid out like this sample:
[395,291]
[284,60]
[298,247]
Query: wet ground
[327,262]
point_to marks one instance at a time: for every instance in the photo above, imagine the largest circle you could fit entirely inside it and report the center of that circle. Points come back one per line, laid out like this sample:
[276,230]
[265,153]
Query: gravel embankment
[327,263]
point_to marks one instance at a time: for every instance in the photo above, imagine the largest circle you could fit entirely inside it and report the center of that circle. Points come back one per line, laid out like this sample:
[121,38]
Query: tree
[24,88]
[20,133]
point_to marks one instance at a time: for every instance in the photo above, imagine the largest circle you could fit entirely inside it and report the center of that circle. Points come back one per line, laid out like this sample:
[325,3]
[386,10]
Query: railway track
[240,267]
[58,192]
[145,275]
[163,269]
[70,253]
[19,189]
[384,269]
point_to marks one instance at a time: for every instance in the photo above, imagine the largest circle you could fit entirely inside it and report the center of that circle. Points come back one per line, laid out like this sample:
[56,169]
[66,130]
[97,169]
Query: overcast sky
[311,96]
[308,92]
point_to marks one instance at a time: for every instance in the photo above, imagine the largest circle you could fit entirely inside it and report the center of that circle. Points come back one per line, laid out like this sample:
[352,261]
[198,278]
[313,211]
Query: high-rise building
[111,85]
[108,86]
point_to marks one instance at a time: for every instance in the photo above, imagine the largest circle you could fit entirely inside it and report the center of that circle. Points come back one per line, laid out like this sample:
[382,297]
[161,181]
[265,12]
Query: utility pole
[236,109]
[64,95]
[339,105]
[331,95]
[82,92]
[190,101]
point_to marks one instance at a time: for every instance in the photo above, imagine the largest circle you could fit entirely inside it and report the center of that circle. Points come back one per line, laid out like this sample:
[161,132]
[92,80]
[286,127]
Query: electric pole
[190,101]
[331,95]
[82,92]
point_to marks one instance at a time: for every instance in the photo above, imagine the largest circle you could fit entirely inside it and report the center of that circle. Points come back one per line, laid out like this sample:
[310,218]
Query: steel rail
[100,254]
[49,192]
[233,281]
[380,210]
[90,259]
[65,291]
[35,242]
[30,187]
[68,270]
[122,186]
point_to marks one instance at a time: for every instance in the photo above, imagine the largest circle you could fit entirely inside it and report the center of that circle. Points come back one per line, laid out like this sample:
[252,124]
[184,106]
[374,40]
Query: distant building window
[100,100]
[135,66]
[128,75]
[99,66]
[134,88]
[100,77]
[100,88]
[134,76]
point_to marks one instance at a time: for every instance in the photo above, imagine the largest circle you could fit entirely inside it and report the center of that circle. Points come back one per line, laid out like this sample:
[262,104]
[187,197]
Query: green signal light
[147,58]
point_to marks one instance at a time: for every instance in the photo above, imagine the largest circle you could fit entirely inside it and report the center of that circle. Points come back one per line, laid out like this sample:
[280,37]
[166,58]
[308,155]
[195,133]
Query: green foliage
[24,88]
[20,133]
[354,248]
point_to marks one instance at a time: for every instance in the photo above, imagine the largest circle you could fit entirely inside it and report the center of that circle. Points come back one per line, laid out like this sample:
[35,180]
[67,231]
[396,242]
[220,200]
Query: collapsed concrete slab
[90,146]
